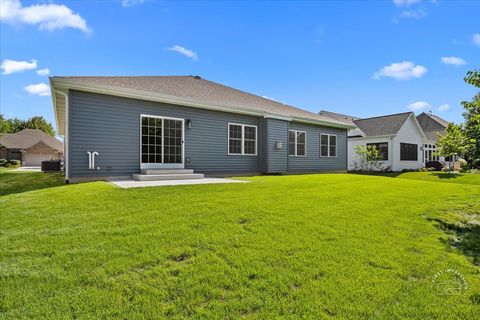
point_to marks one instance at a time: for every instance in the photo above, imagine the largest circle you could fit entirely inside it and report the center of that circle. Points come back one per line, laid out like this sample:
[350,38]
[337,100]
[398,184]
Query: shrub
[436,165]
[3,162]
[12,163]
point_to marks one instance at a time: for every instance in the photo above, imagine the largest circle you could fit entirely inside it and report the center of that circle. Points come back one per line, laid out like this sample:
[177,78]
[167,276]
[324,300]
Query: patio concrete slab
[36,169]
[141,184]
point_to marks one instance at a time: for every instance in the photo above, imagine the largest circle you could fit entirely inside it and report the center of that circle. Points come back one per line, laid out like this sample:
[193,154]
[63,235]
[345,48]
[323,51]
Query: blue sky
[360,58]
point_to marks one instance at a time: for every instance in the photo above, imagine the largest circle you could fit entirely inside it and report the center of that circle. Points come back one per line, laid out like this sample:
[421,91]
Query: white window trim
[296,155]
[243,139]
[328,149]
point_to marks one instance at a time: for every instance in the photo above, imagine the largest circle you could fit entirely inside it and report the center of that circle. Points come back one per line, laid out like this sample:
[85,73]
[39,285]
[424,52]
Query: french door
[161,142]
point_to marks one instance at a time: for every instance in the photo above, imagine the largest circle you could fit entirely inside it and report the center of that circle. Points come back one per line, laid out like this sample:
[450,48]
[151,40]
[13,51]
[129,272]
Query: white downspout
[66,138]
[89,160]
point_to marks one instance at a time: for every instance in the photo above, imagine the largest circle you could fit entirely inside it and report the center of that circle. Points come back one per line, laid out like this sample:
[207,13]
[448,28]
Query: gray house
[148,126]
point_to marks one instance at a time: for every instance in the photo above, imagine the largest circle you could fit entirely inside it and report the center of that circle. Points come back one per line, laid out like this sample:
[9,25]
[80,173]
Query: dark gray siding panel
[276,159]
[111,126]
[313,162]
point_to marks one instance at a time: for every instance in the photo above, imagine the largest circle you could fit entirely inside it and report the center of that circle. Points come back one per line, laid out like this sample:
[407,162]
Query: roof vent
[197,77]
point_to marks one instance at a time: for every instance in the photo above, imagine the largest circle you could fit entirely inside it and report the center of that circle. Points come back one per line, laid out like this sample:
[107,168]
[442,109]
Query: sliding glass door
[161,142]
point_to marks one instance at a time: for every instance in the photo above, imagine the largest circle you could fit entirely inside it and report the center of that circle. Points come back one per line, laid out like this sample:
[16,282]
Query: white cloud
[413,14]
[402,3]
[39,89]
[43,72]
[419,105]
[401,71]
[46,16]
[476,39]
[11,66]
[443,108]
[129,3]
[184,51]
[456,61]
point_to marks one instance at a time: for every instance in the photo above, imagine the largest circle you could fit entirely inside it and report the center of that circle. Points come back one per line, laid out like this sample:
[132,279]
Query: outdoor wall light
[189,124]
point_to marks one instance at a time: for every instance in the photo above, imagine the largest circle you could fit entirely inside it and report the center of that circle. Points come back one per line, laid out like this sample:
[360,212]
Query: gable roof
[431,125]
[382,125]
[29,137]
[431,122]
[190,91]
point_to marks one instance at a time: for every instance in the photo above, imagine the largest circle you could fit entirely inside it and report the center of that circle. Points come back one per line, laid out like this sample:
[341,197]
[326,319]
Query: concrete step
[166,171]
[160,177]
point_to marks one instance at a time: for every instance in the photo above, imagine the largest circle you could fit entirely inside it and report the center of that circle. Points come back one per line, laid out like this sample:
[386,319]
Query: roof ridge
[385,116]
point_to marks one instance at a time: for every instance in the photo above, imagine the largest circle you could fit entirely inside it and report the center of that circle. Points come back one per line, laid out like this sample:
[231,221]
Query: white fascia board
[54,102]
[322,123]
[424,137]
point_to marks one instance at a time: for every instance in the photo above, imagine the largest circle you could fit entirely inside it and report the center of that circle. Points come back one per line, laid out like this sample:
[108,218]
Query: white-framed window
[242,139]
[328,145]
[297,143]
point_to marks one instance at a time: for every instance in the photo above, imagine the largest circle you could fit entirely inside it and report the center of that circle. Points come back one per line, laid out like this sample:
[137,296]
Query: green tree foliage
[472,121]
[4,125]
[453,142]
[14,125]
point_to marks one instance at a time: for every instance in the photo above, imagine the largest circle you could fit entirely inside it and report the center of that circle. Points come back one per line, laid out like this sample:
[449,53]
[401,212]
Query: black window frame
[408,151]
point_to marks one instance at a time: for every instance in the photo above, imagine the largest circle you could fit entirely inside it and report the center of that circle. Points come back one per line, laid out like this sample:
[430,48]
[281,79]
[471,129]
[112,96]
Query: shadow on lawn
[446,175]
[463,236]
[18,182]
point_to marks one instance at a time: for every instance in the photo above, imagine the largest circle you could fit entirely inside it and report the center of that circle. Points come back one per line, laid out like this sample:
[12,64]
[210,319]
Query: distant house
[151,127]
[399,138]
[30,146]
[432,126]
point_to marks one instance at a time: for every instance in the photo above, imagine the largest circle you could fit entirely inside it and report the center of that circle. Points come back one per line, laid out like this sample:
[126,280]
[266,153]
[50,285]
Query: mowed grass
[306,246]
[462,178]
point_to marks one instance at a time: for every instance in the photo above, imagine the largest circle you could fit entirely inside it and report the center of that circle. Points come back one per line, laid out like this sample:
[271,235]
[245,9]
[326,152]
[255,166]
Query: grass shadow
[446,175]
[380,174]
[17,182]
[464,237]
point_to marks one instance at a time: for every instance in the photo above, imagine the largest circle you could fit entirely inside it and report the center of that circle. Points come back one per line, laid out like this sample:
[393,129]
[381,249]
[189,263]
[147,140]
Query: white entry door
[161,142]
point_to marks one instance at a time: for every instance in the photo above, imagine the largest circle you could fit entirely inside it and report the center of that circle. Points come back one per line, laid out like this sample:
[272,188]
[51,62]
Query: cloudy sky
[360,58]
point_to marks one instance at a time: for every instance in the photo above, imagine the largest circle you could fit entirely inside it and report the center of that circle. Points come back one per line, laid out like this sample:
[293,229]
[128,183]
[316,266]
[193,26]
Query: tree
[452,143]
[472,121]
[4,125]
[40,123]
[367,159]
[14,125]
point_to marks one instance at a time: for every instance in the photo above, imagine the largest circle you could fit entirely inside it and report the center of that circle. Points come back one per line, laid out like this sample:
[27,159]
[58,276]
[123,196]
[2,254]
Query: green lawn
[463,178]
[306,246]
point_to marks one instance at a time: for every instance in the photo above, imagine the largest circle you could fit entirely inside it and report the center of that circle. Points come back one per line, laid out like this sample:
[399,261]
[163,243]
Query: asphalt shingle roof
[383,125]
[201,90]
[29,137]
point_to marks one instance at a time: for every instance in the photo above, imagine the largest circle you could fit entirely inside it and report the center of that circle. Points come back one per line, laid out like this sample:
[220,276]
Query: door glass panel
[172,141]
[151,140]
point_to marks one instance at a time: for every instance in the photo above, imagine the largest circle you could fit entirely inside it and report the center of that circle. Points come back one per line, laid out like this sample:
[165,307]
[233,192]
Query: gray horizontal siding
[313,162]
[111,126]
[276,159]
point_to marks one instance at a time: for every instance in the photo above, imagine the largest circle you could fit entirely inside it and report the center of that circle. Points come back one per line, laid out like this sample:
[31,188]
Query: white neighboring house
[432,126]
[399,138]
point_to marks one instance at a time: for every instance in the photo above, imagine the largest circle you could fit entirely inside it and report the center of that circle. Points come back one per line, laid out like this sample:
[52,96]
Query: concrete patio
[141,184]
